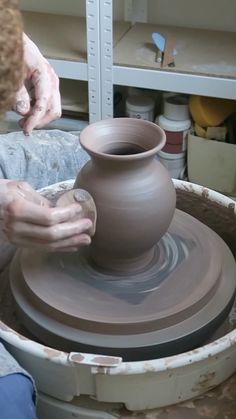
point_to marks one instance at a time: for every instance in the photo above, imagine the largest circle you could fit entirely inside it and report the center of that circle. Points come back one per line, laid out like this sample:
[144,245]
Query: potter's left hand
[42,104]
[29,220]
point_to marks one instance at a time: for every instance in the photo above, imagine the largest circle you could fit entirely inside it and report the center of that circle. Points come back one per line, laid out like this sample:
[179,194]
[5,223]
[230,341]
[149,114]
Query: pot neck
[121,162]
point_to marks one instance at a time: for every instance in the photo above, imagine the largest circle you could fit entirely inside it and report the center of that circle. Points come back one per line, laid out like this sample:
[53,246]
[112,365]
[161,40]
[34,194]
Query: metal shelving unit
[81,49]
[106,53]
[212,74]
[72,46]
[175,82]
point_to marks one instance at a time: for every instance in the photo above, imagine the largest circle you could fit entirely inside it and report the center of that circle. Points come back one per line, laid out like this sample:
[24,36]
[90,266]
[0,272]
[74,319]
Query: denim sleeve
[43,158]
[17,397]
[8,364]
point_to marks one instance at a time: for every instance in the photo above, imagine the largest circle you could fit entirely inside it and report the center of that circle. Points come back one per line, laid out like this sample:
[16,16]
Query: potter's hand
[30,221]
[42,104]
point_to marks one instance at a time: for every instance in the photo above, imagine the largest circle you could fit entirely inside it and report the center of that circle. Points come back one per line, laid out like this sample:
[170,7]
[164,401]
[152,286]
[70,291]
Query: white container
[174,163]
[176,134]
[171,125]
[176,108]
[140,107]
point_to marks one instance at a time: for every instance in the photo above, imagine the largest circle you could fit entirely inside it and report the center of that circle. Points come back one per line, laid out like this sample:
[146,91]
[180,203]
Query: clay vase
[133,193]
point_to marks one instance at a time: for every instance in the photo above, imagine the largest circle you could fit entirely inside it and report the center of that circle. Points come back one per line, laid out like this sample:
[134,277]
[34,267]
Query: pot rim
[151,130]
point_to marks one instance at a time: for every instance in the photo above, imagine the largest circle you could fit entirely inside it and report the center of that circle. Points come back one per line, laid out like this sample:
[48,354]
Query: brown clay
[133,192]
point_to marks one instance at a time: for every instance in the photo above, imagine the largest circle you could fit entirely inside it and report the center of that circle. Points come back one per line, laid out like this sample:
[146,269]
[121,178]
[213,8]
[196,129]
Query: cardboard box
[212,164]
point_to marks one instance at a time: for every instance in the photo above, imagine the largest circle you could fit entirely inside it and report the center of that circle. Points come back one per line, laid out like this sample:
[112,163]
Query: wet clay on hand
[30,220]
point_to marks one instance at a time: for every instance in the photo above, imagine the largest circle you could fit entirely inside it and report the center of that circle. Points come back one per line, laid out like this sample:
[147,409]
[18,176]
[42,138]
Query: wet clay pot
[133,192]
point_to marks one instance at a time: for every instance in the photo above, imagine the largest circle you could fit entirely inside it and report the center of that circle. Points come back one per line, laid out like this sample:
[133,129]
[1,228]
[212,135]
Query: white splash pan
[138,385]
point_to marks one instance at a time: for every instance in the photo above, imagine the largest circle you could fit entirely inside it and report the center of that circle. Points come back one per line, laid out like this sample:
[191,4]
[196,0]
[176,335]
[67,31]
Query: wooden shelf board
[120,29]
[200,52]
[63,37]
[74,96]
[57,36]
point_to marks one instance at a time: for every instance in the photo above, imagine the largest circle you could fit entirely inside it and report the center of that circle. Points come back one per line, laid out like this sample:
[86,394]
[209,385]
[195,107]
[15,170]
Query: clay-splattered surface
[221,219]
[220,403]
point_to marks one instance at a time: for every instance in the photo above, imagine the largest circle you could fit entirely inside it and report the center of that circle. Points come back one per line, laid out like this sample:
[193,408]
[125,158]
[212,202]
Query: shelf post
[106,60]
[93,57]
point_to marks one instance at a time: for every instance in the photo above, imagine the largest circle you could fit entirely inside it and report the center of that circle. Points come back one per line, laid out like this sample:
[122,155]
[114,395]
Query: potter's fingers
[50,116]
[53,111]
[71,244]
[40,81]
[39,117]
[22,101]
[53,233]
[47,97]
[25,191]
[28,212]
[21,122]
[75,241]
[37,113]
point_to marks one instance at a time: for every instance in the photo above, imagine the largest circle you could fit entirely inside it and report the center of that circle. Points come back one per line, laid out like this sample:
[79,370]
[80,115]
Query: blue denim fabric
[43,158]
[16,397]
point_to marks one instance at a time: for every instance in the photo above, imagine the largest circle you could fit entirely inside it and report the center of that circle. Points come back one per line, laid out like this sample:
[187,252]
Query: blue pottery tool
[166,52]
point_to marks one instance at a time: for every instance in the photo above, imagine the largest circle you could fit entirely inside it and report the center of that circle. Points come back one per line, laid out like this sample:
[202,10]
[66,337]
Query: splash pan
[64,378]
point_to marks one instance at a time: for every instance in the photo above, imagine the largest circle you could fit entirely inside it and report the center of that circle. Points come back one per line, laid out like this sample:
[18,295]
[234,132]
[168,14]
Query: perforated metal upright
[100,58]
[94,59]
[106,62]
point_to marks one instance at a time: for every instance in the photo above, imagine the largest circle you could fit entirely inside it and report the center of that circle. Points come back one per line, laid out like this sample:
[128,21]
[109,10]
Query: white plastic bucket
[176,107]
[174,163]
[176,134]
[140,107]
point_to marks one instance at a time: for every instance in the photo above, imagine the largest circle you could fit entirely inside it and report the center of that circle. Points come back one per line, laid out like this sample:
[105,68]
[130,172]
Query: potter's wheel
[168,307]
